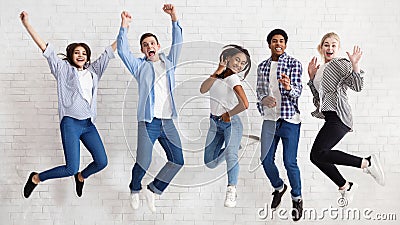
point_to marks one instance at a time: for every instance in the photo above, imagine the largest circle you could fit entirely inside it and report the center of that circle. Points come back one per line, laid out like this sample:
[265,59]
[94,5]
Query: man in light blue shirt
[155,74]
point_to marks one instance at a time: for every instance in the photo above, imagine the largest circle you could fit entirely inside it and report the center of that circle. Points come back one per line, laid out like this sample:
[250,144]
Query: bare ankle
[364,163]
[345,186]
[35,179]
[80,177]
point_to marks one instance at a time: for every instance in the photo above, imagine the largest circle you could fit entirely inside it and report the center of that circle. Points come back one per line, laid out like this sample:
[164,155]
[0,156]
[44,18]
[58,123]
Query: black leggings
[321,154]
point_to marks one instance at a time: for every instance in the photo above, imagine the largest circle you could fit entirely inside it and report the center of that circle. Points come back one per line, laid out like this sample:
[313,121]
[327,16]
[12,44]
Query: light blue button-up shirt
[70,95]
[143,71]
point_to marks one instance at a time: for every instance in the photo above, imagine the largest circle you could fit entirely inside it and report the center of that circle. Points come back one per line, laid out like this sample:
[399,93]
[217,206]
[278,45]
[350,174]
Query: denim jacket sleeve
[176,44]
[127,57]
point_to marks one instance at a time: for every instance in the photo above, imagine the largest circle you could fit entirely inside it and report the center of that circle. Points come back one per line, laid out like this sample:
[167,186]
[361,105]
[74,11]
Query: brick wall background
[29,126]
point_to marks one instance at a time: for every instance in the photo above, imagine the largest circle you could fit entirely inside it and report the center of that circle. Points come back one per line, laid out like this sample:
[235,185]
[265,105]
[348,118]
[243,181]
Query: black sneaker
[78,185]
[29,186]
[297,211]
[276,200]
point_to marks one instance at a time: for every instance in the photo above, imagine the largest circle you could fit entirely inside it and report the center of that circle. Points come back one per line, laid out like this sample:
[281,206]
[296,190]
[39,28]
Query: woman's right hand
[312,68]
[222,65]
[24,17]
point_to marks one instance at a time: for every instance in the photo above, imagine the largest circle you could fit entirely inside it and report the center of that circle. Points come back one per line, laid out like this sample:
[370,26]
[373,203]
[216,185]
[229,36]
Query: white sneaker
[150,199]
[347,195]
[375,170]
[230,200]
[135,200]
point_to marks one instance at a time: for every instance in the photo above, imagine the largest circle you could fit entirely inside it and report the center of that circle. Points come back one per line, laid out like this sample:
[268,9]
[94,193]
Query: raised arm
[35,36]
[177,37]
[114,45]
[126,19]
[100,64]
[124,53]
[207,84]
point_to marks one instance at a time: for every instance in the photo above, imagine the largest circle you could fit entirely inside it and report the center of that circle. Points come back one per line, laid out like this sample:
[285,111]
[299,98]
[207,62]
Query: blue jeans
[271,133]
[165,132]
[73,130]
[221,132]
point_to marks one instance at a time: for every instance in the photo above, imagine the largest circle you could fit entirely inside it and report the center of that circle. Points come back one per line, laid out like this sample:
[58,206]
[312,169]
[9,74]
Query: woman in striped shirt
[329,83]
[77,81]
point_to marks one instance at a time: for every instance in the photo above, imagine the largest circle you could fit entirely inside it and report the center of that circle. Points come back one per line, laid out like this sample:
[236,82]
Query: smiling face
[79,57]
[237,62]
[277,46]
[328,48]
[150,47]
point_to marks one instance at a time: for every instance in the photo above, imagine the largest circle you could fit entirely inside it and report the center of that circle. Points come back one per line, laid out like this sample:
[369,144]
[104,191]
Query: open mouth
[278,49]
[329,54]
[152,53]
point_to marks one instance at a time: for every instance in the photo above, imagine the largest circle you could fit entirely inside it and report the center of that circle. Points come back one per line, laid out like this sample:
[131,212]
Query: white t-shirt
[162,98]
[318,77]
[275,113]
[318,81]
[86,82]
[222,96]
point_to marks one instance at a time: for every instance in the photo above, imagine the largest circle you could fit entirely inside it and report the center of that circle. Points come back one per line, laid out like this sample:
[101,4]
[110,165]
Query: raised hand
[35,36]
[355,58]
[170,10]
[313,68]
[285,81]
[126,19]
[24,17]
[222,64]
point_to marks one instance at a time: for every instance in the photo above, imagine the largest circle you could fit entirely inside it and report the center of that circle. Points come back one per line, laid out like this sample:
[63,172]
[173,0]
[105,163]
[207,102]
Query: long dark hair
[231,50]
[70,52]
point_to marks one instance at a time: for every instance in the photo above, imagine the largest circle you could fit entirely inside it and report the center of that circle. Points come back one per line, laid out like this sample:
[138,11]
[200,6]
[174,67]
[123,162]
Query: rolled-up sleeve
[295,80]
[55,63]
[100,65]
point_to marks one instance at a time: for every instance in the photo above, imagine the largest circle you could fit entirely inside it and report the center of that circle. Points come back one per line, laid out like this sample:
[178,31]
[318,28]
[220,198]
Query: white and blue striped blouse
[70,95]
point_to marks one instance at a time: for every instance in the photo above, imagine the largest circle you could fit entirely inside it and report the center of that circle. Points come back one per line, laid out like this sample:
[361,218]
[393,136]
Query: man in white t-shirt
[155,74]
[278,89]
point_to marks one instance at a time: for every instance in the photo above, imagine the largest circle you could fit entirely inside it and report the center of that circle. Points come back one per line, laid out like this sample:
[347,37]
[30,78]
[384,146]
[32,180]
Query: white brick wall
[29,127]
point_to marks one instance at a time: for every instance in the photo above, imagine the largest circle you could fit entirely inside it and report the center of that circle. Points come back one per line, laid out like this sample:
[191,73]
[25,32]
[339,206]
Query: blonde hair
[328,35]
